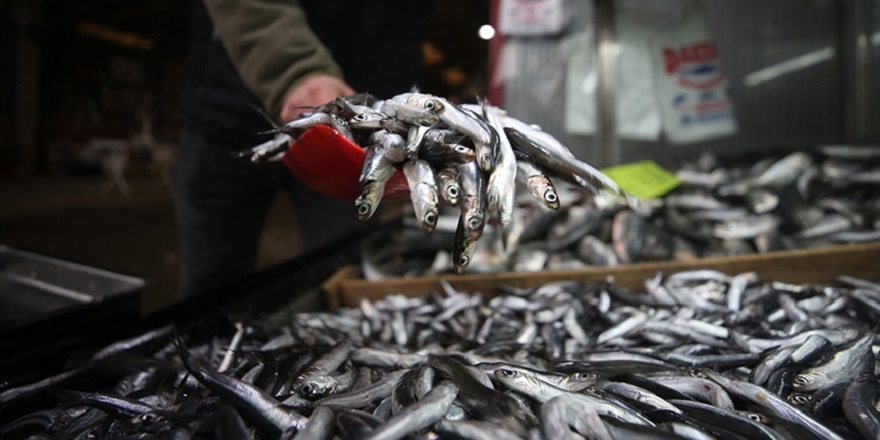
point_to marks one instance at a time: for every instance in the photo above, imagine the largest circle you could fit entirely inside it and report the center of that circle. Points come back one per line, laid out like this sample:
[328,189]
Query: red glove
[331,164]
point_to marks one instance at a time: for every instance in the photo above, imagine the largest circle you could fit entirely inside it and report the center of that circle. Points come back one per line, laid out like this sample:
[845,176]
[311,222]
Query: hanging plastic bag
[691,87]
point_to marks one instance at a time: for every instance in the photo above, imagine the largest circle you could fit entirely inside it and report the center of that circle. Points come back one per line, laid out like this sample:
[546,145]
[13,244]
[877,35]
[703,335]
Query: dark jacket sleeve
[271,44]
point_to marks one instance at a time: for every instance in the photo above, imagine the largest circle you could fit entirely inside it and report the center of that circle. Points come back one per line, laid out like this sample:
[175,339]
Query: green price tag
[644,179]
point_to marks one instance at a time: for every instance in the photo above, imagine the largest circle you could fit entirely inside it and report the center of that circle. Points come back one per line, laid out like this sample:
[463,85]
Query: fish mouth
[364,209]
[431,218]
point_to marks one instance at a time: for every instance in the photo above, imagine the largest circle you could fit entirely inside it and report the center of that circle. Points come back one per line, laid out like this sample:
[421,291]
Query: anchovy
[500,188]
[845,365]
[574,382]
[554,156]
[145,343]
[316,381]
[860,404]
[302,123]
[562,414]
[785,171]
[473,395]
[116,405]
[473,199]
[420,414]
[449,187]
[543,392]
[473,429]
[414,139]
[423,192]
[367,119]
[772,362]
[772,404]
[698,388]
[320,424]
[375,173]
[258,406]
[725,419]
[360,398]
[638,394]
[408,113]
[484,137]
[537,182]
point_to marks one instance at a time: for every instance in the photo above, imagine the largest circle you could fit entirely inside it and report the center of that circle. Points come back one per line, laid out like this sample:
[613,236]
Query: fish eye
[452,191]
[462,149]
[464,260]
[550,196]
[363,208]
[430,104]
[306,389]
[799,399]
[508,373]
[583,376]
[755,417]
[360,117]
[431,218]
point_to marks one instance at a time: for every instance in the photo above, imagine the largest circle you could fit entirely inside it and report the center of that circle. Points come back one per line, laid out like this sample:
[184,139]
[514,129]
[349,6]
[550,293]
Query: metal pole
[857,69]
[606,67]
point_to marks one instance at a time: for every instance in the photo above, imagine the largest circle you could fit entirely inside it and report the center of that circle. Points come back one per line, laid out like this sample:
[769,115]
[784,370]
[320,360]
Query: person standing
[279,56]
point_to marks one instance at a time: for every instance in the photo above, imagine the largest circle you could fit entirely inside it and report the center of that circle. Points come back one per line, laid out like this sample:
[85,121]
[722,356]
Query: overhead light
[486,32]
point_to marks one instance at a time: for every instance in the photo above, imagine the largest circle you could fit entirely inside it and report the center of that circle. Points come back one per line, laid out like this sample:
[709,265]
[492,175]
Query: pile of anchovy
[722,208]
[469,156]
[694,355]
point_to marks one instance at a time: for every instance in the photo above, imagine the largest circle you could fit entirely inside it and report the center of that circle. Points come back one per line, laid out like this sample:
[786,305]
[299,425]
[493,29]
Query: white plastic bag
[661,82]
[690,85]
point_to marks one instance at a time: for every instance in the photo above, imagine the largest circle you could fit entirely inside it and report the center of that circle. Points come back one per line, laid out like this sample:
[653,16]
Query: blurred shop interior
[89,93]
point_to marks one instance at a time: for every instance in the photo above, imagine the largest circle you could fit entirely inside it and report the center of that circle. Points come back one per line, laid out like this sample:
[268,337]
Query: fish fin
[265,115]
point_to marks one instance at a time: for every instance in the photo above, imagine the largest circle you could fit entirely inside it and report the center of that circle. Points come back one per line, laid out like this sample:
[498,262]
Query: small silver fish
[423,192]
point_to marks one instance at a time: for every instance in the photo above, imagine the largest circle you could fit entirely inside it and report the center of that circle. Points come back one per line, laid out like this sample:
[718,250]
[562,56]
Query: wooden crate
[346,289]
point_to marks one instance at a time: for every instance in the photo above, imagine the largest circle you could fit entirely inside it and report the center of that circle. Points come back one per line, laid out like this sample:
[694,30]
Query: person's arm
[278,56]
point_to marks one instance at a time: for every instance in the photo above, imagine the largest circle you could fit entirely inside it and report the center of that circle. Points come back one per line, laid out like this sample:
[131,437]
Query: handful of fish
[695,355]
[466,156]
[722,208]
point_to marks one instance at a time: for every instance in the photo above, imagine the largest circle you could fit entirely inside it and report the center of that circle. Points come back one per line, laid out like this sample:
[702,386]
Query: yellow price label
[644,179]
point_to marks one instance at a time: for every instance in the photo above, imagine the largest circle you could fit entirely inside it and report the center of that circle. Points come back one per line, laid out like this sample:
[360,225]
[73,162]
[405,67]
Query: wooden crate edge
[822,261]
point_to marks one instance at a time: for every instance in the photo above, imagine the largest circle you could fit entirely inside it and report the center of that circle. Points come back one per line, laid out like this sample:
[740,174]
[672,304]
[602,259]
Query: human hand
[315,90]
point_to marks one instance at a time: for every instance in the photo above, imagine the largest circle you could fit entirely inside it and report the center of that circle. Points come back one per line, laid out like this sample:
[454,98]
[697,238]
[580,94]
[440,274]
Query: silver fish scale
[818,205]
[598,347]
[415,115]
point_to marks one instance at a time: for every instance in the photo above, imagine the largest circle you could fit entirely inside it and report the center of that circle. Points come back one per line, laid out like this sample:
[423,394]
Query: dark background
[73,72]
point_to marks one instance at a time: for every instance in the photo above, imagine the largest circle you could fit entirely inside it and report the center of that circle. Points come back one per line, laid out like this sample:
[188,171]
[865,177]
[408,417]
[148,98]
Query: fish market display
[779,202]
[695,355]
[466,156]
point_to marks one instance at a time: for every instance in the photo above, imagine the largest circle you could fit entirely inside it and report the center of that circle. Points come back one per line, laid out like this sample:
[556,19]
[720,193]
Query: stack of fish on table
[693,355]
[723,207]
[468,156]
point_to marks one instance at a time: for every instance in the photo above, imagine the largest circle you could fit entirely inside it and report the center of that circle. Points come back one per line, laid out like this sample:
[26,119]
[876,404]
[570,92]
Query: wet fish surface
[566,359]
[439,135]
[732,207]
